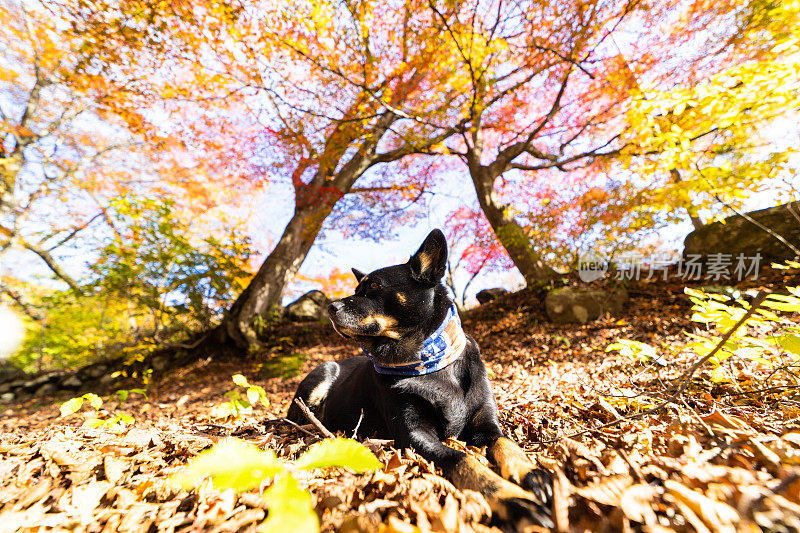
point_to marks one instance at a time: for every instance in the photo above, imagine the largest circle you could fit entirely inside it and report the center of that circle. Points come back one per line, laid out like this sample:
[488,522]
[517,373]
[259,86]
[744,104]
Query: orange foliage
[337,284]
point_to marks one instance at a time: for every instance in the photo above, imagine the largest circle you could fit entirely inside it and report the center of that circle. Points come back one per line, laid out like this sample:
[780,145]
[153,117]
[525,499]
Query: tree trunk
[510,234]
[696,222]
[265,289]
[313,201]
[690,209]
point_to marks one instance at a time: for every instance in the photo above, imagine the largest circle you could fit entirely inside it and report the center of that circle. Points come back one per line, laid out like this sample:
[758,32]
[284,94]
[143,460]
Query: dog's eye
[374,286]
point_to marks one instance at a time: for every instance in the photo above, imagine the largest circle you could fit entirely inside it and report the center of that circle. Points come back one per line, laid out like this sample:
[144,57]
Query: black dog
[422,381]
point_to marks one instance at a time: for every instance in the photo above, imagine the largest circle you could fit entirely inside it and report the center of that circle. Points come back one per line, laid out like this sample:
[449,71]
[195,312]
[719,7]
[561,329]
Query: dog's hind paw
[517,513]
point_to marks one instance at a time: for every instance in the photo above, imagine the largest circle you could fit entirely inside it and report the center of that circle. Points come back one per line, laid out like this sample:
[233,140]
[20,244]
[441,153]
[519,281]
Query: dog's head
[396,302]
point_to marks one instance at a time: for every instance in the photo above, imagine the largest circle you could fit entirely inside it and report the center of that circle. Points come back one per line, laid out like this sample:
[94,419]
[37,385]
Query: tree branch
[72,233]
[748,218]
[27,308]
[509,153]
[554,162]
[53,265]
[563,58]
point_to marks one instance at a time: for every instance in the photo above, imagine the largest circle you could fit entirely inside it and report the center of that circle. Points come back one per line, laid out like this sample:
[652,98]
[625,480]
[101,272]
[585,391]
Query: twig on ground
[699,419]
[298,426]
[777,388]
[358,425]
[313,419]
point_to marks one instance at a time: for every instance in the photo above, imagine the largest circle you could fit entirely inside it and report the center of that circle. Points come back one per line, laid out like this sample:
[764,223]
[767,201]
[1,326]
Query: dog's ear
[357,273]
[428,264]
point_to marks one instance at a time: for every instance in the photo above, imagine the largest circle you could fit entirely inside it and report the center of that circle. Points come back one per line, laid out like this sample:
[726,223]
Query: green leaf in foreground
[290,508]
[252,396]
[232,464]
[782,302]
[71,406]
[339,452]
[93,399]
[790,343]
[634,349]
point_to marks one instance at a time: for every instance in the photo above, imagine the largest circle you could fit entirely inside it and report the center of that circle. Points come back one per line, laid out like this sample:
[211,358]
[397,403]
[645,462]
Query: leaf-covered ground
[724,457]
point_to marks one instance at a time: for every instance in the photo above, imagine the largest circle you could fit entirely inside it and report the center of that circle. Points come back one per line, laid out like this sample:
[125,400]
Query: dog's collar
[439,350]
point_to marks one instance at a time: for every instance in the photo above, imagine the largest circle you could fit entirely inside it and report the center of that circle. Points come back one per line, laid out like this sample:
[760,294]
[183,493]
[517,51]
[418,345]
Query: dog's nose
[335,306]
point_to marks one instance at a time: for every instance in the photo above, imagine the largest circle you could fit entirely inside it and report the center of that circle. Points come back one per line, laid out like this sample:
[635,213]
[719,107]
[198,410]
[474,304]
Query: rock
[72,382]
[6,397]
[737,235]
[159,362]
[35,383]
[13,386]
[312,305]
[92,372]
[570,305]
[487,295]
[44,390]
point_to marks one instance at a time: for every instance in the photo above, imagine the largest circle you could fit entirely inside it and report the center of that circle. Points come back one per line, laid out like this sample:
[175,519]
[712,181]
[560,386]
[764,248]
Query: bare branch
[563,58]
[26,307]
[509,153]
[53,265]
[72,233]
[555,162]
[750,219]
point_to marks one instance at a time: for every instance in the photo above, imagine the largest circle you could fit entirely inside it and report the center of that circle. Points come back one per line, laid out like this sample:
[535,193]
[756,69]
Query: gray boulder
[573,305]
[160,362]
[71,382]
[92,371]
[37,382]
[487,295]
[312,305]
[11,385]
[46,389]
[737,235]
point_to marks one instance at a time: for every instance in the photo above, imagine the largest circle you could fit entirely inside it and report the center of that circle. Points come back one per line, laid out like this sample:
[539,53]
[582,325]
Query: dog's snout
[335,307]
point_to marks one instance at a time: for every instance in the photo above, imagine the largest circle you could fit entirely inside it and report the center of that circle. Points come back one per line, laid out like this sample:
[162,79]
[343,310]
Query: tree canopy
[146,141]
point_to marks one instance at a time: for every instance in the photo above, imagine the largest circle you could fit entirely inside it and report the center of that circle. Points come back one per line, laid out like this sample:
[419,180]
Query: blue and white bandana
[439,350]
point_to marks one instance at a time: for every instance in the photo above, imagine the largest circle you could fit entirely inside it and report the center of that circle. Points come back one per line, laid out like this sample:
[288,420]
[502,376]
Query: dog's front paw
[539,482]
[515,513]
